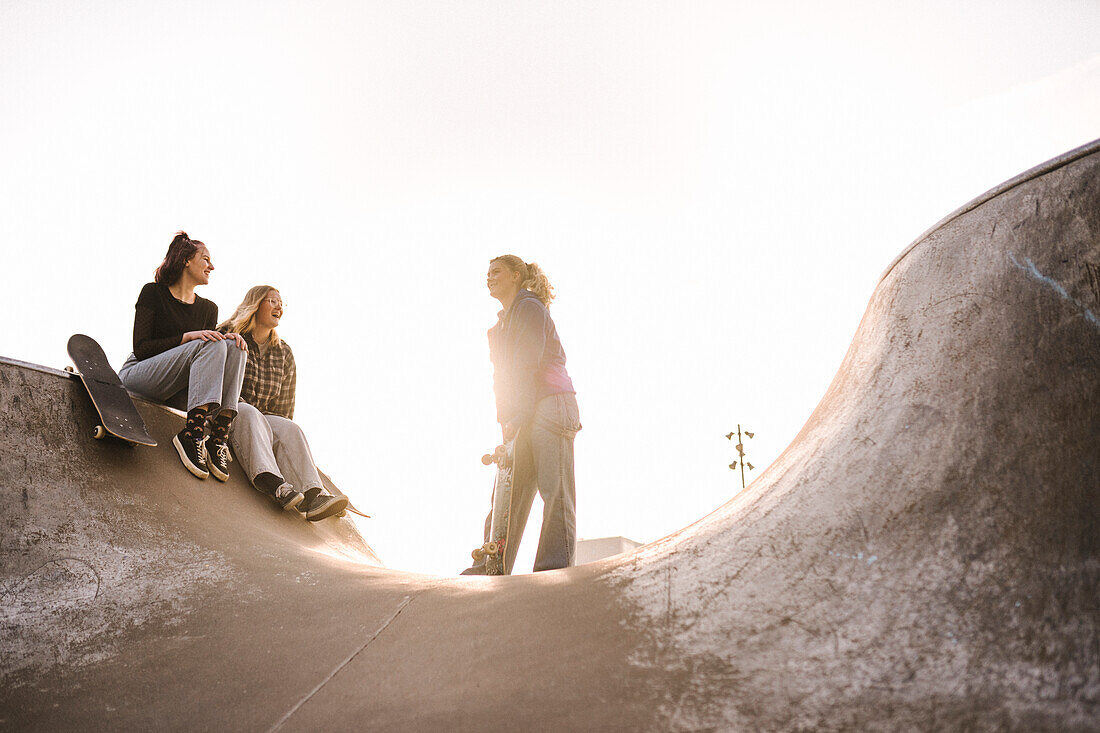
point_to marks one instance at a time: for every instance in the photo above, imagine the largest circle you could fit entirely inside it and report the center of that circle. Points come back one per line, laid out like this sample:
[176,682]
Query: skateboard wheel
[487,459]
[99,432]
[492,548]
[70,370]
[341,514]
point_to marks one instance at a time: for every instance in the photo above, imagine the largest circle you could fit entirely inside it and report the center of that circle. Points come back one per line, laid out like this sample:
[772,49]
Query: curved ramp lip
[1042,169]
[72,375]
[38,367]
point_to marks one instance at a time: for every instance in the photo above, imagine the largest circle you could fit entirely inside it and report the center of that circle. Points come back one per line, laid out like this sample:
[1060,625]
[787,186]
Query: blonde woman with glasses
[270,446]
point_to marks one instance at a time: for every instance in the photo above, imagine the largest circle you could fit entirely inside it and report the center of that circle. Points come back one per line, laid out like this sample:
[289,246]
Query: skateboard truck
[98,432]
[489,549]
[497,456]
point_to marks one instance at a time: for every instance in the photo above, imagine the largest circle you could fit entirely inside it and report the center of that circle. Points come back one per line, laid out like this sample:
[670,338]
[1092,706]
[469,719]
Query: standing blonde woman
[269,444]
[535,398]
[176,348]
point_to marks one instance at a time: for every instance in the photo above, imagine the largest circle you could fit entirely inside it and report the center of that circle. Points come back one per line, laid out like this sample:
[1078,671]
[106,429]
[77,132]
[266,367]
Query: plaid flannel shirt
[270,380]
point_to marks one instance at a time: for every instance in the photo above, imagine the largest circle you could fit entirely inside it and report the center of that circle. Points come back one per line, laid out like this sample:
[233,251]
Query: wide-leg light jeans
[211,371]
[273,444]
[551,435]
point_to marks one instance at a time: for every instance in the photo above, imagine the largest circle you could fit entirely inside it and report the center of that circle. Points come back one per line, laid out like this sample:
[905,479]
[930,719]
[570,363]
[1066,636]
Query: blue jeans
[211,371]
[551,434]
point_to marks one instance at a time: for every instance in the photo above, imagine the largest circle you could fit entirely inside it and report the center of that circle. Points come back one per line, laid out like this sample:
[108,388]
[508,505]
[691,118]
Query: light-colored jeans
[211,371]
[273,444]
[551,434]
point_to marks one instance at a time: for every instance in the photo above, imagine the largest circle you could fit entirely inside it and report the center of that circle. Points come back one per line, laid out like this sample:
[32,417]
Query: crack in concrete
[19,584]
[392,617]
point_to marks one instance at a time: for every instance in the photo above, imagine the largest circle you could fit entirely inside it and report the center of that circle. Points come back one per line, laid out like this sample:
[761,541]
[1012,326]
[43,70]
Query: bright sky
[713,189]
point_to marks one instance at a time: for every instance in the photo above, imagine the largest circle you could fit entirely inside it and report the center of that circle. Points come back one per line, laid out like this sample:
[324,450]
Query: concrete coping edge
[71,375]
[1032,173]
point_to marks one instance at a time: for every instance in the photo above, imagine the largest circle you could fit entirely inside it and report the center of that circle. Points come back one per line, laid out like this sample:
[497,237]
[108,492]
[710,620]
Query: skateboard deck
[335,491]
[505,529]
[117,414]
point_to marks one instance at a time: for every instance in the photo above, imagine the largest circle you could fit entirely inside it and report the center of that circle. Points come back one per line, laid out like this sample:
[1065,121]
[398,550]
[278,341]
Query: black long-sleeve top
[160,320]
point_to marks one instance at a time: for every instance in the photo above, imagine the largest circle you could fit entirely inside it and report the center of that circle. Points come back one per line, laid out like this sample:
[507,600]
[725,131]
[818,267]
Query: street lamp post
[740,447]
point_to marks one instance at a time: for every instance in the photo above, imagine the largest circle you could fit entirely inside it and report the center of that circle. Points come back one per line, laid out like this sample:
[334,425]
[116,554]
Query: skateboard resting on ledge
[117,414]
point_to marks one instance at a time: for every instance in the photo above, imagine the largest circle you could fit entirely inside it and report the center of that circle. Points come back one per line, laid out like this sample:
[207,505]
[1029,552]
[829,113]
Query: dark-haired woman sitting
[177,348]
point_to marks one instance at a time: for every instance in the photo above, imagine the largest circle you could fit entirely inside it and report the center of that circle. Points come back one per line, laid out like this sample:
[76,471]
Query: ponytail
[539,284]
[179,251]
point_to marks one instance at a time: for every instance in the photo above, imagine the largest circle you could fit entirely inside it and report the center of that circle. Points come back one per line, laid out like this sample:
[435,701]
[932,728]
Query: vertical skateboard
[117,414]
[499,552]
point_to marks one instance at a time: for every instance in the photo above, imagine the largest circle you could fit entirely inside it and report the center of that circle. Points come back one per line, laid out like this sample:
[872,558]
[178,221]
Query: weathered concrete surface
[924,555]
[134,596]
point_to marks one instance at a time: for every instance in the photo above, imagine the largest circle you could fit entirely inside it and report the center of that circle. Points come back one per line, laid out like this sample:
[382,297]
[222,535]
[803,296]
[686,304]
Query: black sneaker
[322,506]
[288,497]
[310,495]
[217,460]
[192,453]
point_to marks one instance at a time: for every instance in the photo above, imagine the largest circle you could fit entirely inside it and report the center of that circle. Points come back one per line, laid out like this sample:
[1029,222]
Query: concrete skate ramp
[924,555]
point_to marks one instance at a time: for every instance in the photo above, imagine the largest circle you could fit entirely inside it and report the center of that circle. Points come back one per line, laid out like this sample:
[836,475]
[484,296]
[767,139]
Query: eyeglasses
[275,303]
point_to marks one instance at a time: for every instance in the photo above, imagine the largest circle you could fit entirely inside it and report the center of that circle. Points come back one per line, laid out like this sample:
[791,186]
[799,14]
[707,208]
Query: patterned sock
[196,421]
[219,426]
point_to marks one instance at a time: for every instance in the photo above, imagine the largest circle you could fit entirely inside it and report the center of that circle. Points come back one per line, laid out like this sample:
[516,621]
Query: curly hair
[531,277]
[243,319]
[179,252]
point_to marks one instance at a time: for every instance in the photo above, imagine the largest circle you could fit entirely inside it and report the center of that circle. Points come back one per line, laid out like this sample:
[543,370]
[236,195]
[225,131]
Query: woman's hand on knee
[239,340]
[206,335]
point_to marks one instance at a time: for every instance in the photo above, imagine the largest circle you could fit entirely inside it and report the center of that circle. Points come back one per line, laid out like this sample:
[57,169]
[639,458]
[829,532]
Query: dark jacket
[528,360]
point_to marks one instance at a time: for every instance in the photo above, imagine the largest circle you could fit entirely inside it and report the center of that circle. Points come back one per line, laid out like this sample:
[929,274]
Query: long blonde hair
[243,319]
[531,277]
